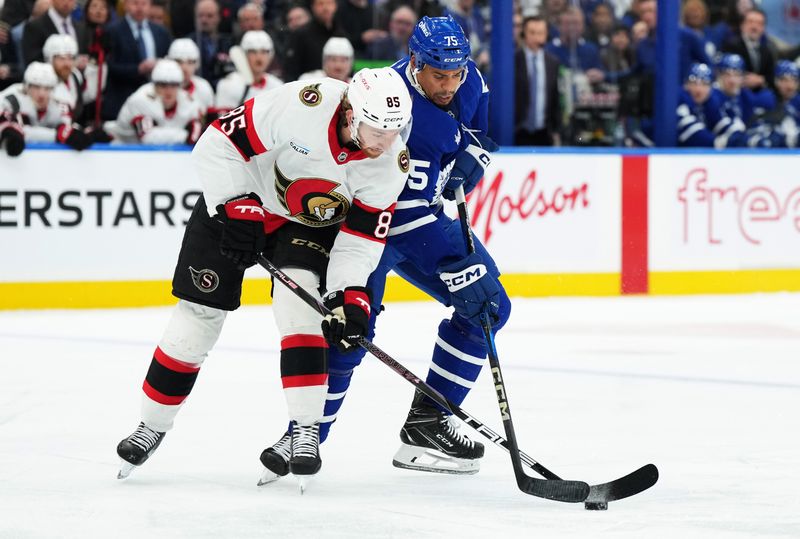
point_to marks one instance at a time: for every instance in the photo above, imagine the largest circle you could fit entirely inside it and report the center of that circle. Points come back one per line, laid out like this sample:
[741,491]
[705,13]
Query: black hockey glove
[350,318]
[243,236]
[470,164]
[12,137]
[473,289]
[99,135]
[73,136]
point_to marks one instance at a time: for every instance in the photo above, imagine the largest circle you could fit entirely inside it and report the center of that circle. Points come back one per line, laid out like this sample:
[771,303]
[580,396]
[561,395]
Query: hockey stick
[556,490]
[599,495]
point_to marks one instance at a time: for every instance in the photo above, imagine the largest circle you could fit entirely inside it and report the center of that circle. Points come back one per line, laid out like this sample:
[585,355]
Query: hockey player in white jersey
[75,88]
[337,61]
[159,112]
[42,118]
[252,58]
[185,52]
[308,174]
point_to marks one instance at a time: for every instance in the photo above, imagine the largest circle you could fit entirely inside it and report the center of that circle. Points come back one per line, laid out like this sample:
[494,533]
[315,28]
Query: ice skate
[305,461]
[276,460]
[431,442]
[137,448]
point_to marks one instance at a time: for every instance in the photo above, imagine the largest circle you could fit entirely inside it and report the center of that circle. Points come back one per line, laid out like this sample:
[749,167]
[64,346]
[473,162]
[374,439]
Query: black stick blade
[556,490]
[629,485]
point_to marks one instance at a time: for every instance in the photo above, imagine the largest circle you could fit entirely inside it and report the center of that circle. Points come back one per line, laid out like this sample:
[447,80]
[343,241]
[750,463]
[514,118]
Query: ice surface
[708,388]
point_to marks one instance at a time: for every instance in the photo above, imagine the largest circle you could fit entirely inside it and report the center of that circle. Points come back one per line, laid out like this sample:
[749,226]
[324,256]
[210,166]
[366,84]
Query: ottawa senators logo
[205,280]
[312,201]
[310,95]
[402,161]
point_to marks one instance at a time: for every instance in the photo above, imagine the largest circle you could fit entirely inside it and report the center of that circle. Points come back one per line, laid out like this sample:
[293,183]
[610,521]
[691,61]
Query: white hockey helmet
[167,72]
[183,49]
[256,40]
[380,99]
[40,74]
[59,45]
[338,46]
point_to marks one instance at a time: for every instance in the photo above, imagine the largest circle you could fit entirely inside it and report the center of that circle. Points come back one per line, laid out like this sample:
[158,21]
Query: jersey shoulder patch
[403,161]
[310,95]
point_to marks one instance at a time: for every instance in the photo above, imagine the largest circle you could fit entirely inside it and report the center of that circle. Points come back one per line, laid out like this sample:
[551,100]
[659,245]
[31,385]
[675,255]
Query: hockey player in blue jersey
[448,147]
[779,127]
[703,118]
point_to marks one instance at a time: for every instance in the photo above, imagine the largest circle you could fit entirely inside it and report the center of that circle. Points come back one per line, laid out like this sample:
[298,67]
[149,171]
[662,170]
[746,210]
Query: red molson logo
[490,204]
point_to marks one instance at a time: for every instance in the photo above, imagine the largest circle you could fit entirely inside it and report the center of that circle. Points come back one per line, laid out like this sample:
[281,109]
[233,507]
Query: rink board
[103,228]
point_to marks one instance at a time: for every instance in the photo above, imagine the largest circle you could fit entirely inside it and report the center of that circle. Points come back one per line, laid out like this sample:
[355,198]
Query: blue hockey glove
[470,164]
[472,288]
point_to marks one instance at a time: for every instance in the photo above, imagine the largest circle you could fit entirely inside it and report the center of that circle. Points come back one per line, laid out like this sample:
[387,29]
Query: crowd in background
[157,71]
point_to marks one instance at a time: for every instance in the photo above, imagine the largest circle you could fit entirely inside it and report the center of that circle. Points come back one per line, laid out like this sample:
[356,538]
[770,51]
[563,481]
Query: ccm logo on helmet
[464,278]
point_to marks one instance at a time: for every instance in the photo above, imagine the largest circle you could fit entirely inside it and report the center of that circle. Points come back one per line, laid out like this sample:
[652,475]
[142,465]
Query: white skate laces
[144,437]
[305,441]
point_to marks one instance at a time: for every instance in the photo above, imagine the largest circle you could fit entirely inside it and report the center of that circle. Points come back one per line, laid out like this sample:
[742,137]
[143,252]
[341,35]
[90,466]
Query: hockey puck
[595,506]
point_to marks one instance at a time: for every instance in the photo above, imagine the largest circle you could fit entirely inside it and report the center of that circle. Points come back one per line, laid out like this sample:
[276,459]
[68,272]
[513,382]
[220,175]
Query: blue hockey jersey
[437,136]
[711,124]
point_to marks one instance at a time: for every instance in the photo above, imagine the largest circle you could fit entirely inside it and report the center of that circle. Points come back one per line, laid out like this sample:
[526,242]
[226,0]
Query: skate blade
[303,481]
[125,469]
[268,477]
[422,459]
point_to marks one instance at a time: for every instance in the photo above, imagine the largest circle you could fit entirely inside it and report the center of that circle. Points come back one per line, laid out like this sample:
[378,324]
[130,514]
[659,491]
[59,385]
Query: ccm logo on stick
[464,278]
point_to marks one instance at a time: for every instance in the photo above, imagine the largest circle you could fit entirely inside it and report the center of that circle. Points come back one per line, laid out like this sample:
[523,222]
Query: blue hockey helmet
[440,43]
[731,62]
[785,68]
[700,73]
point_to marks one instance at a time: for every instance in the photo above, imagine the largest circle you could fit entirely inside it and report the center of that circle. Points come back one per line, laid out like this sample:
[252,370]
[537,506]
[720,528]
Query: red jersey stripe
[304,380]
[174,364]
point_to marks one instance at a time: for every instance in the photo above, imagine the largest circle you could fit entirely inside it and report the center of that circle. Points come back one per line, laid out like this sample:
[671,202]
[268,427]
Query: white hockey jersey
[232,91]
[80,85]
[144,119]
[39,126]
[284,146]
[201,91]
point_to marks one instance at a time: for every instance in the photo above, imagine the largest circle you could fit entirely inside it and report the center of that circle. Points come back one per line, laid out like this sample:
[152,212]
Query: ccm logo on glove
[462,279]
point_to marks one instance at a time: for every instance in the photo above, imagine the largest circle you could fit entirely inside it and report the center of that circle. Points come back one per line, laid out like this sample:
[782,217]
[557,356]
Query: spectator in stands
[572,50]
[97,15]
[57,20]
[184,51]
[517,19]
[135,43]
[159,112]
[601,26]
[213,44]
[618,57]
[250,77]
[631,16]
[42,118]
[395,46]
[551,11]
[733,15]
[157,13]
[751,44]
[422,8]
[249,17]
[690,47]
[337,61]
[694,16]
[297,16]
[358,19]
[304,47]
[537,115]
[13,16]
